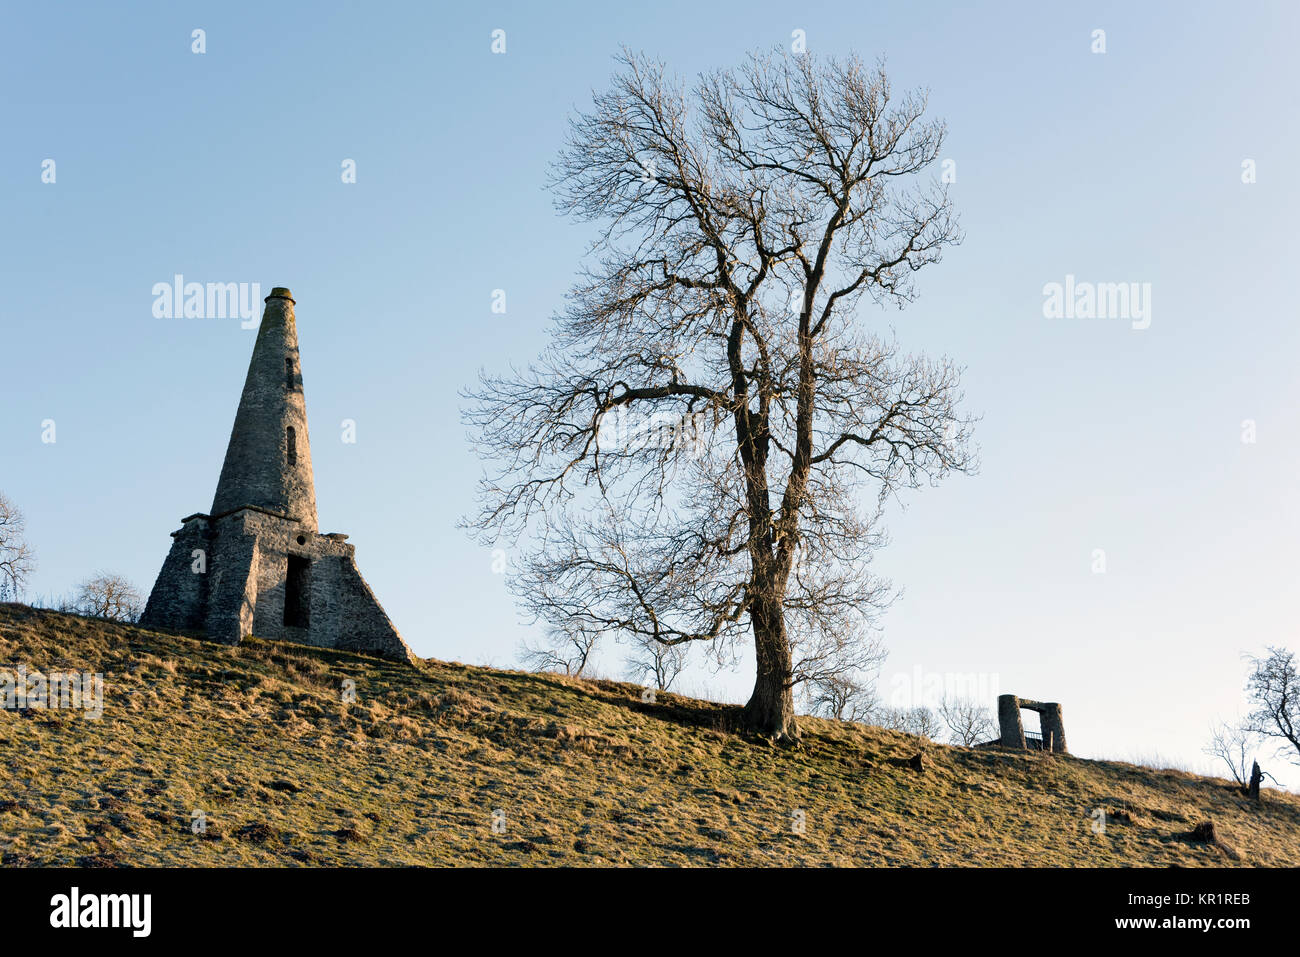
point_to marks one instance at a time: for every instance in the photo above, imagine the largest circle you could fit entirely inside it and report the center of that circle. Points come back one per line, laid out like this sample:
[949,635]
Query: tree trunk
[770,710]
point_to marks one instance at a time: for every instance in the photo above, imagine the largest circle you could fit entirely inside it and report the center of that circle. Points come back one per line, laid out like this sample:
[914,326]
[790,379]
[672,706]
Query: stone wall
[232,570]
[179,599]
[243,590]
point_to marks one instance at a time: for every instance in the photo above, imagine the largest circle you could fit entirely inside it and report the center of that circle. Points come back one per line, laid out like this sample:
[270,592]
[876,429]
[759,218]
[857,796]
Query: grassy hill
[259,739]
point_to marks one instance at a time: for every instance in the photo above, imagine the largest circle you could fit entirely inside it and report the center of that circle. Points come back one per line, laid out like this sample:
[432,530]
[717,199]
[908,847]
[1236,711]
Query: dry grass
[259,739]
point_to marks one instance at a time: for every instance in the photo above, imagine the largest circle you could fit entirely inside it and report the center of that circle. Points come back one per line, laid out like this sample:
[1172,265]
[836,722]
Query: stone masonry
[256,564]
[1012,726]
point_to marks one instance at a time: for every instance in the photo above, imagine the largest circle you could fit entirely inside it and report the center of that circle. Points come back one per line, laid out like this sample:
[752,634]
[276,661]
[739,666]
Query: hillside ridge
[250,756]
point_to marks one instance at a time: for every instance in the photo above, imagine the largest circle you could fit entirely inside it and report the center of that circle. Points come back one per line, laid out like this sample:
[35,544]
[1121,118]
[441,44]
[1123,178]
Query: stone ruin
[256,564]
[1011,726]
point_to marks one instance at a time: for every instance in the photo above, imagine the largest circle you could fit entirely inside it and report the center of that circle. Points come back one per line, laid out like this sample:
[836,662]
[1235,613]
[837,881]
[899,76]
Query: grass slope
[258,738]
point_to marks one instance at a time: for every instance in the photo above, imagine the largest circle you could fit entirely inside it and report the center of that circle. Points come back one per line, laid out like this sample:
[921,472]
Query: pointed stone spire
[268,461]
[257,565]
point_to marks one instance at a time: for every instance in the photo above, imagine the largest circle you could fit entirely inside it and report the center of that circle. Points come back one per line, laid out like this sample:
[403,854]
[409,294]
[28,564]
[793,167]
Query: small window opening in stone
[291,440]
[288,373]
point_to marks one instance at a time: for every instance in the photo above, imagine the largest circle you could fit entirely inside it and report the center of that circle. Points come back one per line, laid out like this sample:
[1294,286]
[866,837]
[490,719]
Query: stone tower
[268,461]
[257,565]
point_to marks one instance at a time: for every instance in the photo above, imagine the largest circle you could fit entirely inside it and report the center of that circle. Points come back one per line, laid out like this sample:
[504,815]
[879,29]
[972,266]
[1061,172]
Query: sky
[1097,439]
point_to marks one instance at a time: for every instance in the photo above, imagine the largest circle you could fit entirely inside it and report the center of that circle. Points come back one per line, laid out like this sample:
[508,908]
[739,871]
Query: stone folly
[1011,727]
[257,565]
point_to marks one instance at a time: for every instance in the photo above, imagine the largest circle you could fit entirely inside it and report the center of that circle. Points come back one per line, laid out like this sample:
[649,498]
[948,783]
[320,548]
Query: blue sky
[1115,167]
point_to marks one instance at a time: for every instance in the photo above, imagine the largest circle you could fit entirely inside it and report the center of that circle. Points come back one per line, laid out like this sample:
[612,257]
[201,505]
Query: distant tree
[844,697]
[969,723]
[740,223]
[655,664]
[1274,690]
[1234,744]
[837,670]
[109,595]
[564,650]
[17,560]
[920,721]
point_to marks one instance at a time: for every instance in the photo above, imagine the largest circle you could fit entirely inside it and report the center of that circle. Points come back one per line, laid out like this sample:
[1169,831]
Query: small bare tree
[1233,744]
[844,697]
[837,670]
[1274,690]
[17,560]
[969,722]
[109,595]
[920,721]
[655,664]
[740,225]
[566,650]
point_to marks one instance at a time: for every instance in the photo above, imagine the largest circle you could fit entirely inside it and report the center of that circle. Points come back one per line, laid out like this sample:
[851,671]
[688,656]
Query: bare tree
[920,721]
[17,560]
[1234,745]
[844,697]
[1274,690]
[836,668]
[655,664]
[969,723]
[566,650]
[109,595]
[740,224]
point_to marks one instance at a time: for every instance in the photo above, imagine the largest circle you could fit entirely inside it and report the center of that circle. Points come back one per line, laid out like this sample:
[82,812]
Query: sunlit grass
[260,740]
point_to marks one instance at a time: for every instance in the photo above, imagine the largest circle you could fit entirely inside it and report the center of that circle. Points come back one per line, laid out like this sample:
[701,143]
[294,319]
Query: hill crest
[251,756]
